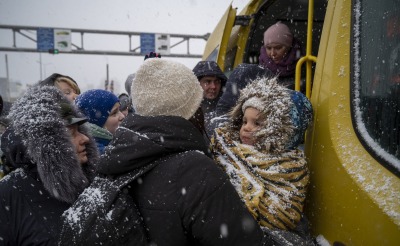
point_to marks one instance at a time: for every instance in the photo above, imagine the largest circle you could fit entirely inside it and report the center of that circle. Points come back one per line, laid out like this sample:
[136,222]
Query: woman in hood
[53,156]
[258,149]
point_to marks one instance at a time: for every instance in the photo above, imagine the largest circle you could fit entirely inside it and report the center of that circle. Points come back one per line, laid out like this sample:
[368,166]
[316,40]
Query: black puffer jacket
[186,199]
[48,176]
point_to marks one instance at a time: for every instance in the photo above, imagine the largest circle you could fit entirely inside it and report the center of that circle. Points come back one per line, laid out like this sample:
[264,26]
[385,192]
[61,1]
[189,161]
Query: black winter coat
[186,199]
[29,215]
[48,176]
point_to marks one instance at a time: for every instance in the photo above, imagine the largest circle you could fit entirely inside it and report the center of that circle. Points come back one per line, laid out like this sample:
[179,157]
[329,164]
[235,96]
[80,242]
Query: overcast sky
[196,17]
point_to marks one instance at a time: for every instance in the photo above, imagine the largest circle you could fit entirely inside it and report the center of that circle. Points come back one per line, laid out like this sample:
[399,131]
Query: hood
[209,68]
[242,75]
[36,120]
[286,115]
[141,140]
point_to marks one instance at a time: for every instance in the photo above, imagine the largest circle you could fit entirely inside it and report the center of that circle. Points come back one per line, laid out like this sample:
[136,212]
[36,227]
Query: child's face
[114,119]
[251,123]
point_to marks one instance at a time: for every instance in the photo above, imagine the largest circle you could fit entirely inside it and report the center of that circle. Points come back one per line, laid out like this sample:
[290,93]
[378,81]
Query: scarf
[273,187]
[287,66]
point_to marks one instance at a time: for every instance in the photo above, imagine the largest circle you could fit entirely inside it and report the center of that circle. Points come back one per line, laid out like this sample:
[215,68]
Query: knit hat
[96,105]
[209,68]
[164,87]
[301,115]
[278,33]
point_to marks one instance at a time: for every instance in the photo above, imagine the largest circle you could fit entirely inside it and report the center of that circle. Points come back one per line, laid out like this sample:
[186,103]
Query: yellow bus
[352,66]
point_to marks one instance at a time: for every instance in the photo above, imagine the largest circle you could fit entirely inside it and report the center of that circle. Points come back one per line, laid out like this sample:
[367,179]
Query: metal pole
[7,74]
[40,61]
[8,92]
[107,79]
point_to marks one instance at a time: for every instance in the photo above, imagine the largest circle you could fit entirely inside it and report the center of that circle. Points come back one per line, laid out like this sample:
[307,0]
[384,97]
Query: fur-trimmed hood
[36,120]
[287,114]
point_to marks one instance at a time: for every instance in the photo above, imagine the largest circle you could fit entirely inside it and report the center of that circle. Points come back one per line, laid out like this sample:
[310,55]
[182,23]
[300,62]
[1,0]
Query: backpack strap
[125,179]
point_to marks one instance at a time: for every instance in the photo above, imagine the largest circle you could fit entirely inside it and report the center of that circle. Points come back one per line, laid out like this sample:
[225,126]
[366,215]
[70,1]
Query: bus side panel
[349,198]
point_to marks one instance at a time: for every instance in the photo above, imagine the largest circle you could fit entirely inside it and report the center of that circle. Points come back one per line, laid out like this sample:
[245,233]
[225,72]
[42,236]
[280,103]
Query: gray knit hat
[165,87]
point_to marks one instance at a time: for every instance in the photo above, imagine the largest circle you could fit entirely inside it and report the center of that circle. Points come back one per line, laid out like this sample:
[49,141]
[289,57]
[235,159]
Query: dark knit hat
[96,105]
[209,68]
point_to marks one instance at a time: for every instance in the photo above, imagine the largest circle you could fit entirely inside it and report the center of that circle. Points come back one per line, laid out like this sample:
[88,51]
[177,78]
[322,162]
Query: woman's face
[276,51]
[79,140]
[67,90]
[251,123]
[114,119]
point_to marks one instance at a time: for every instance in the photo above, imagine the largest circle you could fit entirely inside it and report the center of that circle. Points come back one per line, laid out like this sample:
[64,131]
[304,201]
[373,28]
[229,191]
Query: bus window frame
[355,91]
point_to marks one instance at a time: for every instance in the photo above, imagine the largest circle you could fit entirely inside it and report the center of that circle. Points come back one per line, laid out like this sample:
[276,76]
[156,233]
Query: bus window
[376,87]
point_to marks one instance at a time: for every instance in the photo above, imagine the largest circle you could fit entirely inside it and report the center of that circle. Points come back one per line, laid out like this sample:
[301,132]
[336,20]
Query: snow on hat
[164,87]
[286,114]
[278,33]
[209,68]
[96,105]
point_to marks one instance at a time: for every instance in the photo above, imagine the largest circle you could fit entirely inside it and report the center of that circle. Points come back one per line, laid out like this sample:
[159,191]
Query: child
[258,149]
[102,108]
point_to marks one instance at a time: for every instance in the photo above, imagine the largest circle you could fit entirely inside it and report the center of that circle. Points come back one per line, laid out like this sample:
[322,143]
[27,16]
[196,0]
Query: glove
[152,55]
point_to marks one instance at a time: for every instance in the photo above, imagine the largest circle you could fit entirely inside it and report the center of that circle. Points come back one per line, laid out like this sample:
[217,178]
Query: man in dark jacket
[185,199]
[53,157]
[212,80]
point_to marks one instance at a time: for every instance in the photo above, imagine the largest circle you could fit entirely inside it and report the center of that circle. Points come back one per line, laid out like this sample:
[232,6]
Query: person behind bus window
[280,53]
[259,150]
[68,86]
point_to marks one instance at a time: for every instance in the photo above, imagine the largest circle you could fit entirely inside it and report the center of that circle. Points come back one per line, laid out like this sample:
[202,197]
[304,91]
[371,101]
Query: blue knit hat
[301,115]
[96,105]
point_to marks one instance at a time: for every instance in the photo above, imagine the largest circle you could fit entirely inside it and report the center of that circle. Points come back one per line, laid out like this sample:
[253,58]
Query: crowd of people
[216,160]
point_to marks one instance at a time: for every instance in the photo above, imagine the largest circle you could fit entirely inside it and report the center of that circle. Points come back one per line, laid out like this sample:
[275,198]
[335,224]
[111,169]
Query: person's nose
[273,52]
[83,139]
[247,127]
[213,85]
[74,96]
[121,116]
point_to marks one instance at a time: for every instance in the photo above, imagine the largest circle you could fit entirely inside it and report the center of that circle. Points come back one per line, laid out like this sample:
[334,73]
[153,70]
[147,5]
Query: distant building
[5,89]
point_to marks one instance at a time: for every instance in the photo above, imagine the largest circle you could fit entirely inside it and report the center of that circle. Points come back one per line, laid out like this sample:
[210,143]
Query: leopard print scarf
[273,186]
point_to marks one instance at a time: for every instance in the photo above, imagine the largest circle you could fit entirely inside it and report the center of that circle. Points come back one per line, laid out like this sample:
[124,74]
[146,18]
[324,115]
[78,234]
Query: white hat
[164,87]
